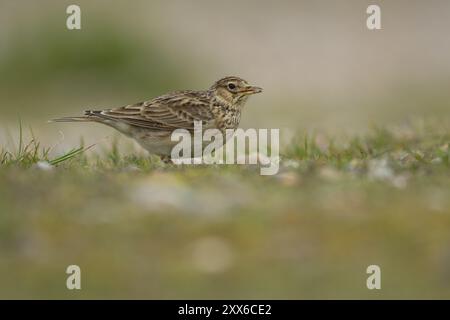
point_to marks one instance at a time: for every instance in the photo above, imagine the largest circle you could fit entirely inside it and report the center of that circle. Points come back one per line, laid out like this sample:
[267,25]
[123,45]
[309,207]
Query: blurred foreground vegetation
[142,229]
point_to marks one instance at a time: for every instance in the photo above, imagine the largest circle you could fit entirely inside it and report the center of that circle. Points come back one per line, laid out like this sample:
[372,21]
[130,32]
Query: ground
[141,229]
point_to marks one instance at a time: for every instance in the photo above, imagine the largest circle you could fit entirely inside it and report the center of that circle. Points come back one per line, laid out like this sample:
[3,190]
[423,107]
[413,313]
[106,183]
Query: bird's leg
[166,159]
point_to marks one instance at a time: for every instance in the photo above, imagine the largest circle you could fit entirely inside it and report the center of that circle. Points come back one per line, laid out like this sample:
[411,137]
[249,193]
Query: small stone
[380,169]
[291,163]
[436,161]
[43,165]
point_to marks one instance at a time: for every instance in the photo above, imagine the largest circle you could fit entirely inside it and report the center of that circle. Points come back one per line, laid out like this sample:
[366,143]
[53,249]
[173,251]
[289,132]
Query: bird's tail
[72,119]
[88,117]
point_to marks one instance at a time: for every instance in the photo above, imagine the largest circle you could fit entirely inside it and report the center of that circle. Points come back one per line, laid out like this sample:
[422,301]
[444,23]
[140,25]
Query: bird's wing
[165,113]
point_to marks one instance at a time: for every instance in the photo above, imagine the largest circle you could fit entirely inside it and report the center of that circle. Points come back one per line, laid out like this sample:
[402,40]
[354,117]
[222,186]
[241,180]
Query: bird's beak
[251,90]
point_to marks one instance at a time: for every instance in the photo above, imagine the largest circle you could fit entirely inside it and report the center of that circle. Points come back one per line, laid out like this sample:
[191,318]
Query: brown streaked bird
[152,122]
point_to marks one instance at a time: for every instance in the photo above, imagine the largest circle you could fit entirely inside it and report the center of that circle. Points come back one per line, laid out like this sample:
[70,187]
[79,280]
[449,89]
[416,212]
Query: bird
[151,122]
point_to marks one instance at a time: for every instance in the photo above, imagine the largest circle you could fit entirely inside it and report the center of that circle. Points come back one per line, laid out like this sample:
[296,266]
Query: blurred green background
[139,230]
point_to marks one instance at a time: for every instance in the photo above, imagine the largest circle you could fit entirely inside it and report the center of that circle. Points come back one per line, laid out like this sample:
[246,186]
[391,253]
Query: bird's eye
[231,86]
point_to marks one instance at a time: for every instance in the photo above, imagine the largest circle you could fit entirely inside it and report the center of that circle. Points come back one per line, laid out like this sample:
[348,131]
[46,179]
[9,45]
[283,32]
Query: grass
[31,153]
[141,229]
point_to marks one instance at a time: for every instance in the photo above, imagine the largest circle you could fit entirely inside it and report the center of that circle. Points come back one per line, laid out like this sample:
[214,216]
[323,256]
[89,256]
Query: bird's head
[233,90]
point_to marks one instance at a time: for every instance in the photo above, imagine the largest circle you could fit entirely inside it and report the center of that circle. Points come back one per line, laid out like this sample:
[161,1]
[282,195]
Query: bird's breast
[226,116]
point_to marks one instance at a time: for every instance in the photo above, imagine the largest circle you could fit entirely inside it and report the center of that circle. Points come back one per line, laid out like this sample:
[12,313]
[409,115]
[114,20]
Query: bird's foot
[166,159]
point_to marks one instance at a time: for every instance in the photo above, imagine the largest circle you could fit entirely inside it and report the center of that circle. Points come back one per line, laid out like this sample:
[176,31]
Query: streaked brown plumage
[151,122]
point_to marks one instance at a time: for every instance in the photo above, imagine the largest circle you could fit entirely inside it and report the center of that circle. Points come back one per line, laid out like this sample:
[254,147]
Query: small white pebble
[380,169]
[436,161]
[291,163]
[44,165]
